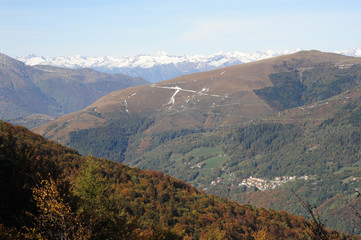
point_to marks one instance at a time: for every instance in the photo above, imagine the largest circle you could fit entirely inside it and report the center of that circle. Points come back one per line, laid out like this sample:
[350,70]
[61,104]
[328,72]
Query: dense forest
[51,192]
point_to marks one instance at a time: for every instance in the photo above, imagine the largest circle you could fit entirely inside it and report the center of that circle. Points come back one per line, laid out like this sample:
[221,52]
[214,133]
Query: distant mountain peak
[353,52]
[7,62]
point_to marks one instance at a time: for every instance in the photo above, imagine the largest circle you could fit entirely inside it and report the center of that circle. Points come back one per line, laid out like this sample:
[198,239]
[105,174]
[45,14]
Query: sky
[127,28]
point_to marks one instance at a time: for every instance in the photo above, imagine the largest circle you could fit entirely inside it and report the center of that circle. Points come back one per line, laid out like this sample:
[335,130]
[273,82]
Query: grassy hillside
[49,191]
[298,87]
[229,96]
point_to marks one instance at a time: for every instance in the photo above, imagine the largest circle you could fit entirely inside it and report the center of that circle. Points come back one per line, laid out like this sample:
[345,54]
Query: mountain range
[49,91]
[156,68]
[254,132]
[228,96]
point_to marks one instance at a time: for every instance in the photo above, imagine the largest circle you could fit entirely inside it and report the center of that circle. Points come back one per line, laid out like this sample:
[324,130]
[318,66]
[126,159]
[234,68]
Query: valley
[294,116]
[180,120]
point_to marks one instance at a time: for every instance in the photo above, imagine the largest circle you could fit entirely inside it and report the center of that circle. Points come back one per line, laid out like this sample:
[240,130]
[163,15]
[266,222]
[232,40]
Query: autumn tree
[55,219]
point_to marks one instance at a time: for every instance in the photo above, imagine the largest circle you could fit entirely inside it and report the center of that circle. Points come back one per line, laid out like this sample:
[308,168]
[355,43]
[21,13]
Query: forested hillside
[321,162]
[51,192]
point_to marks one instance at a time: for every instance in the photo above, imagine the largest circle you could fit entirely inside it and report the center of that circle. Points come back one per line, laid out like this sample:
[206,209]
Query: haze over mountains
[156,68]
[50,91]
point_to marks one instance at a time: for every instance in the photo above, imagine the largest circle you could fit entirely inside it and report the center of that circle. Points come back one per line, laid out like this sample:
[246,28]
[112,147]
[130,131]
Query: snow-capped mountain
[163,66]
[353,52]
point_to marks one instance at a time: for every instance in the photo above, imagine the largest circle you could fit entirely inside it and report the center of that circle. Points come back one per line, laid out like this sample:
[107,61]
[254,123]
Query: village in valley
[261,184]
[264,184]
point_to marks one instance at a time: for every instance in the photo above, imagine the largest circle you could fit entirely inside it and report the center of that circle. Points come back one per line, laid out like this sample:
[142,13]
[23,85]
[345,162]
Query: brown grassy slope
[216,98]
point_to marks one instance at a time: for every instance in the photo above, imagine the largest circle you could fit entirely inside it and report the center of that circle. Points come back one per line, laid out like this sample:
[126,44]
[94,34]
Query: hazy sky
[131,27]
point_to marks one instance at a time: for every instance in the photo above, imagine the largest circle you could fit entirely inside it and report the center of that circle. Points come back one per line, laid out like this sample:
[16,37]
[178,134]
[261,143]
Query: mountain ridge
[54,91]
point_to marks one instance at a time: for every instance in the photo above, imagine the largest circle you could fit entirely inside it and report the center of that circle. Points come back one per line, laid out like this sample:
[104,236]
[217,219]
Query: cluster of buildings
[219,180]
[198,165]
[264,184]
